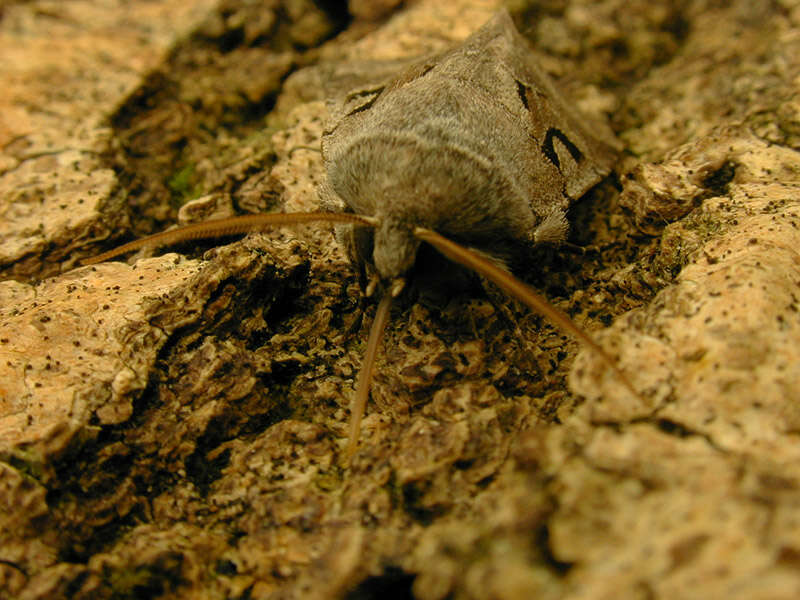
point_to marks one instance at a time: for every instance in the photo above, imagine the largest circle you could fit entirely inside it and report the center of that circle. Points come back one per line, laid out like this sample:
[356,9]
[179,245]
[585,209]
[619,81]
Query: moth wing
[353,87]
[584,151]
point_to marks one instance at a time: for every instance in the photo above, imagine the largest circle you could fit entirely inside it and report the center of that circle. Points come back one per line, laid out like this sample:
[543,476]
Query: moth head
[394,249]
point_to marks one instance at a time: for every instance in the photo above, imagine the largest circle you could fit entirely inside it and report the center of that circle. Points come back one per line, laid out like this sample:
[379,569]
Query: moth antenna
[515,288]
[367,367]
[229,226]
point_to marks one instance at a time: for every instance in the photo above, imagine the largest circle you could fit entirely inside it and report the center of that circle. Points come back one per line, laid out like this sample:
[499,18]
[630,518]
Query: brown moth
[473,152]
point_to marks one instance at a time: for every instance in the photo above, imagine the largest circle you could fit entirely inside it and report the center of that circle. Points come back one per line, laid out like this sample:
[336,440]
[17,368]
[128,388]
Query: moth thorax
[395,248]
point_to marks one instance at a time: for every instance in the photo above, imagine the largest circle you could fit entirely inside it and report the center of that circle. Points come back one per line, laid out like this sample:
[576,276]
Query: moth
[472,152]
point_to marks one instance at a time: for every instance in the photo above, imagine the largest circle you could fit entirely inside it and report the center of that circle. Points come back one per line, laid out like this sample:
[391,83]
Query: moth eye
[554,152]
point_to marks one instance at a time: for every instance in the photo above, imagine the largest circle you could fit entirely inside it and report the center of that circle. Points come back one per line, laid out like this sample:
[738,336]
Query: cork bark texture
[173,426]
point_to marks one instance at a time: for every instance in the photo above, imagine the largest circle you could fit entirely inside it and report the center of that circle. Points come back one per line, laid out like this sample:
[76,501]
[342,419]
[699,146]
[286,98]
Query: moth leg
[576,249]
[368,283]
[499,300]
[358,319]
